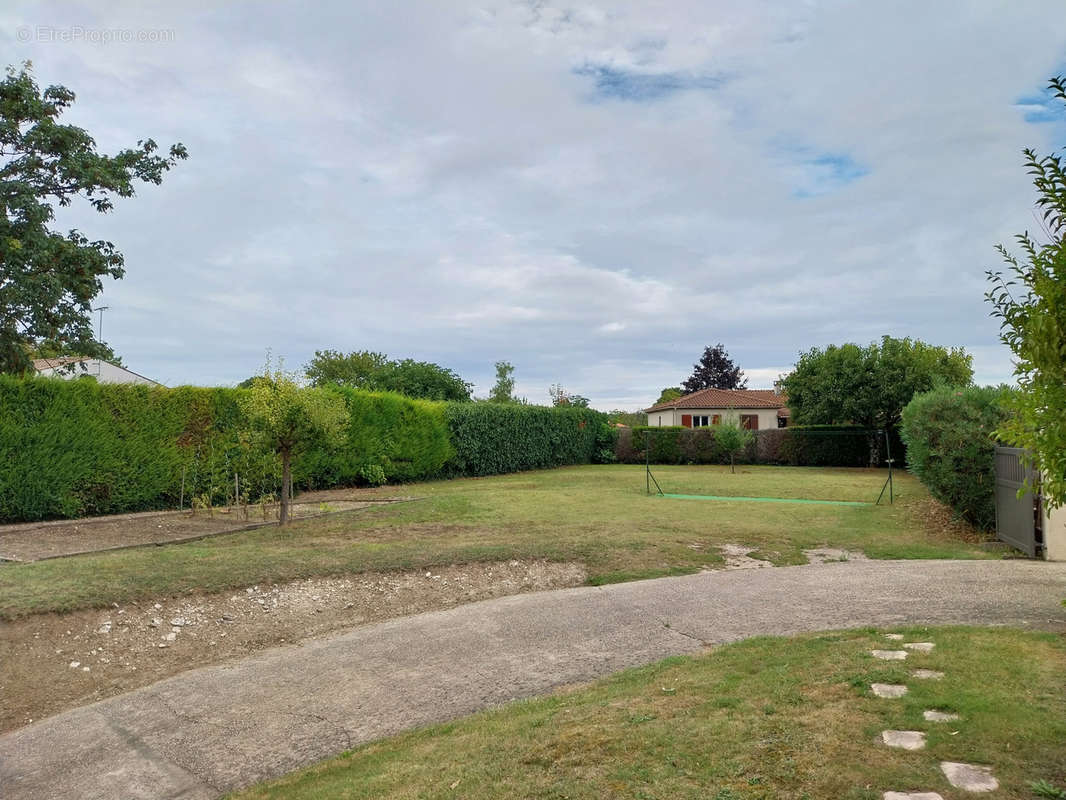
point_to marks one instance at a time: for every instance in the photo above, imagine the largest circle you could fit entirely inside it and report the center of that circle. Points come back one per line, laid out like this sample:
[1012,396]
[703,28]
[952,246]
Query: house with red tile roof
[754,409]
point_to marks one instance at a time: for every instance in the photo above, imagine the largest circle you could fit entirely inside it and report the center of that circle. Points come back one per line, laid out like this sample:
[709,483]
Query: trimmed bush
[406,439]
[813,446]
[493,438]
[817,446]
[80,448]
[951,449]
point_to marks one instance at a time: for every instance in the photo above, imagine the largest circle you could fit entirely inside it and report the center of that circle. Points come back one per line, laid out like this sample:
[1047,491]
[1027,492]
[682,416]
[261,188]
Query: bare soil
[54,662]
[36,541]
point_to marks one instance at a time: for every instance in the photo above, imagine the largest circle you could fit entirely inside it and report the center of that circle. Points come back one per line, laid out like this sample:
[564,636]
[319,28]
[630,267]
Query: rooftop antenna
[100,333]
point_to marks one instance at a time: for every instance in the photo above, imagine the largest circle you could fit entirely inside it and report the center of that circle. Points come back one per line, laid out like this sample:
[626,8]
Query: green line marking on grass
[766,499]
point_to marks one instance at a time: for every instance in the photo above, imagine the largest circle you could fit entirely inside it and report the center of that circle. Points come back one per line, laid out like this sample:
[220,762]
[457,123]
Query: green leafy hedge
[951,449]
[493,438]
[79,448]
[816,445]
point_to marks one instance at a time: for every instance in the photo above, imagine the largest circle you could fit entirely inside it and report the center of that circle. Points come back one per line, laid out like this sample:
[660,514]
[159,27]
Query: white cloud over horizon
[592,192]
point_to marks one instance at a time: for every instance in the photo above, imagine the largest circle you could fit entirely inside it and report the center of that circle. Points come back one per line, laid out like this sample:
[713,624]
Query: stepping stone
[969,777]
[911,796]
[927,674]
[894,637]
[888,689]
[939,716]
[889,655]
[920,647]
[907,740]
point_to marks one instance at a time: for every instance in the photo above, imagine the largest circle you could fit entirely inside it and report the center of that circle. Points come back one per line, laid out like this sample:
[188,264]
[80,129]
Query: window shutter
[686,420]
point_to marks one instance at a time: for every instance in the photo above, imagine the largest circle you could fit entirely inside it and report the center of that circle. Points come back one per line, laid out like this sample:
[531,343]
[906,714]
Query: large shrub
[950,447]
[491,438]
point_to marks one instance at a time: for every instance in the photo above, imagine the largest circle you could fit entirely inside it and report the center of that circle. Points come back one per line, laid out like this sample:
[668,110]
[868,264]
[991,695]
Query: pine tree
[715,370]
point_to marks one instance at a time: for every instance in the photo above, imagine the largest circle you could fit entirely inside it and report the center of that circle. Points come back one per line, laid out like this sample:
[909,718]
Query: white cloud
[593,193]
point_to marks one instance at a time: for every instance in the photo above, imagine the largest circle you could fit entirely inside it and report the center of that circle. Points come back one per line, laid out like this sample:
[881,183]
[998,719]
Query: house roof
[726,398]
[41,364]
[59,361]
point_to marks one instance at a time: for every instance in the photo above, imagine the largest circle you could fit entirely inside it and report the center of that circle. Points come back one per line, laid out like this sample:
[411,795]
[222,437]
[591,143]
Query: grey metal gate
[1017,519]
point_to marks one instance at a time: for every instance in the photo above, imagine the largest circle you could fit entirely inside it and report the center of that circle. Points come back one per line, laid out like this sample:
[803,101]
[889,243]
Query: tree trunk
[286,487]
[732,469]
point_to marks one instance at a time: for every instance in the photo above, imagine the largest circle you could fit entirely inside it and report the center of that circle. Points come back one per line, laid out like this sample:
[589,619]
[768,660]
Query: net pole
[888,454]
[647,462]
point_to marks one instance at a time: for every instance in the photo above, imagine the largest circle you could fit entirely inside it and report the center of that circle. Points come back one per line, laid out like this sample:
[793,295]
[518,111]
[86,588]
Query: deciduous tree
[47,279]
[668,394]
[374,372]
[288,418]
[1031,305]
[869,385]
[503,390]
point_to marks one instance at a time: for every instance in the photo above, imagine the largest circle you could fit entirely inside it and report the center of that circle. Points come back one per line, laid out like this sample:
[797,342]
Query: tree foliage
[950,438]
[289,418]
[669,394]
[731,438]
[869,385]
[363,369]
[503,390]
[561,397]
[1031,306]
[48,280]
[632,419]
[715,370]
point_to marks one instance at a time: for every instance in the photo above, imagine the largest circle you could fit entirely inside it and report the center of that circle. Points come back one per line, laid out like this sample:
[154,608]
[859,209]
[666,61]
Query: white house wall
[672,416]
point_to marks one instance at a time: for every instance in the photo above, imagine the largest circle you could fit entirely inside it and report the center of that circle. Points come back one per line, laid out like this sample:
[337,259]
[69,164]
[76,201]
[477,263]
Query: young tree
[732,439]
[48,280]
[1031,306]
[869,385]
[503,390]
[668,394]
[289,418]
[715,370]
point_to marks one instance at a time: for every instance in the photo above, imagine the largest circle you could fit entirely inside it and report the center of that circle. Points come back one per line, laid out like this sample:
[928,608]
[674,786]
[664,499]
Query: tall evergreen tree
[715,370]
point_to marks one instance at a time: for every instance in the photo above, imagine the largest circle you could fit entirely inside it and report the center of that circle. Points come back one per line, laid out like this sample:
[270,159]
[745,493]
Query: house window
[700,422]
[782,422]
[749,422]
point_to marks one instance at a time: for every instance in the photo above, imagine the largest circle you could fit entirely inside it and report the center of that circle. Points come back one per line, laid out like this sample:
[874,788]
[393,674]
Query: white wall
[671,416]
[1055,534]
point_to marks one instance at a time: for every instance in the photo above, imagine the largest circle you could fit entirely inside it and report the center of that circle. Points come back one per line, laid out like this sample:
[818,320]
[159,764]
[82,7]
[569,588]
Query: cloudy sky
[593,192]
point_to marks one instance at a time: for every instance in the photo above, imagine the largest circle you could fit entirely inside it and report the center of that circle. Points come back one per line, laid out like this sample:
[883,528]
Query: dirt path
[55,662]
[207,731]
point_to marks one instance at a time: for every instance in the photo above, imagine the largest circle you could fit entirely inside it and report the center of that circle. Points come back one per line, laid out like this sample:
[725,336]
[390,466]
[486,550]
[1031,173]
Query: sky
[593,192]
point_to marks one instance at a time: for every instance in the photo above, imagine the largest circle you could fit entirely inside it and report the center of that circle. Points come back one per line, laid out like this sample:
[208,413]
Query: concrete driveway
[212,730]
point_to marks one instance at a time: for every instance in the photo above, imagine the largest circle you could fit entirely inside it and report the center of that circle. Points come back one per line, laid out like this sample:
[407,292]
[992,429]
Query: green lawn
[598,515]
[764,718]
